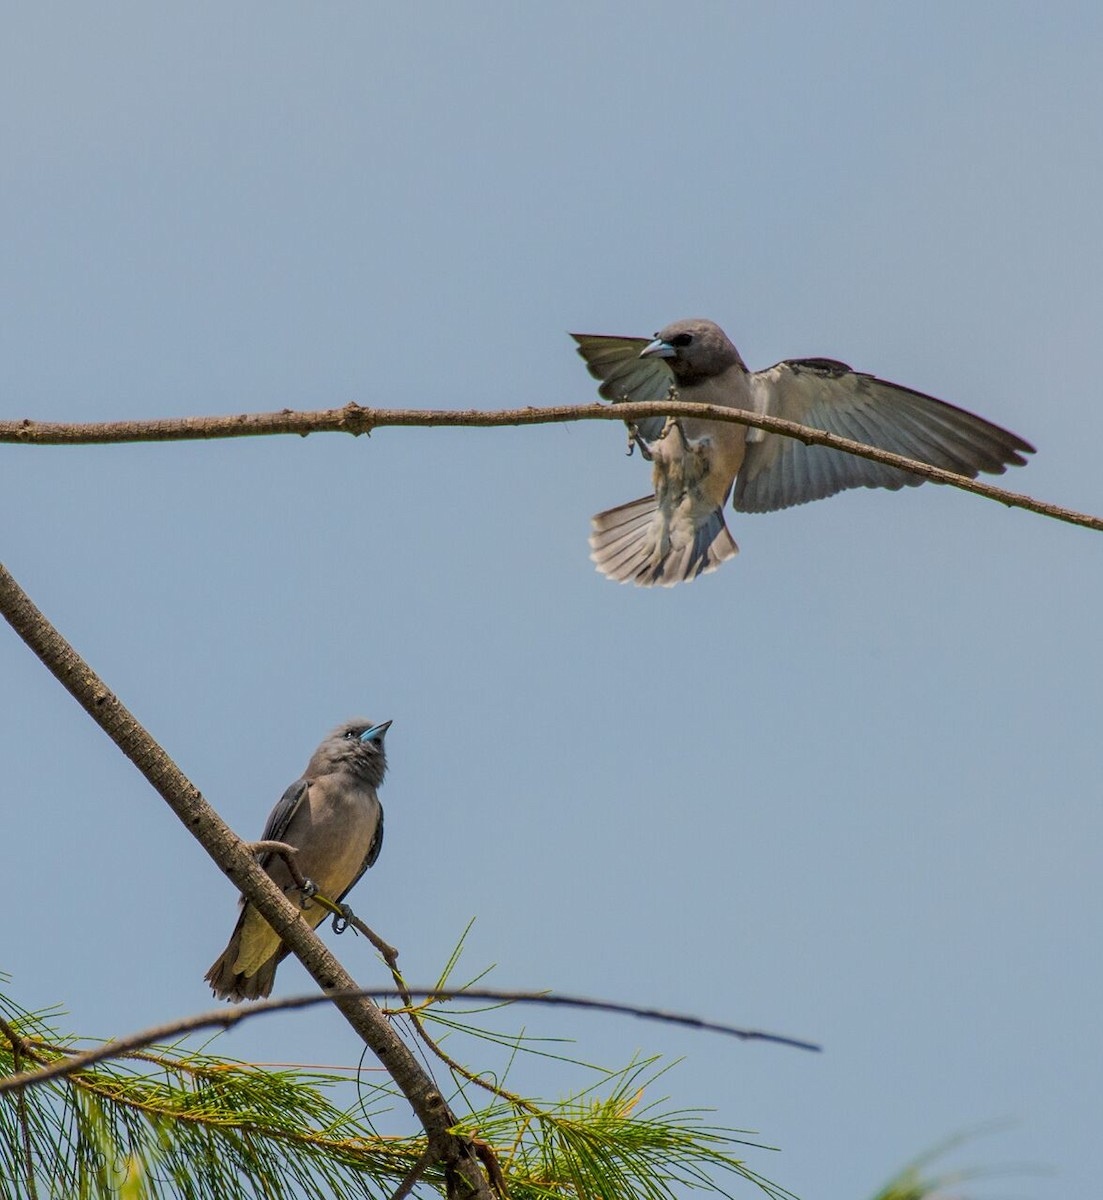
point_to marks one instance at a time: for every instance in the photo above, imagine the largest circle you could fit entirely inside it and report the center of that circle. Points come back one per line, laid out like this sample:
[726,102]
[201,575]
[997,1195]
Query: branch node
[354,419]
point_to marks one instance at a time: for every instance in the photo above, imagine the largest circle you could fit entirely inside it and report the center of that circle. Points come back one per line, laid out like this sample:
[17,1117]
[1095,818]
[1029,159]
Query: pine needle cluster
[173,1123]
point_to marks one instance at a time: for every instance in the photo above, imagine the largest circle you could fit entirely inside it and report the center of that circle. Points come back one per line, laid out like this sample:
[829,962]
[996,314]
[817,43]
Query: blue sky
[846,788]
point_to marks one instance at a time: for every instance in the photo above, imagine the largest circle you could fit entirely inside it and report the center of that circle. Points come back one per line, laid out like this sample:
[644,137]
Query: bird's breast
[335,835]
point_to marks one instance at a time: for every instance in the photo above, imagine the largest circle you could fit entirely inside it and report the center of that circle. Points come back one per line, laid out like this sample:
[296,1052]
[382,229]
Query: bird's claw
[341,922]
[309,888]
[672,423]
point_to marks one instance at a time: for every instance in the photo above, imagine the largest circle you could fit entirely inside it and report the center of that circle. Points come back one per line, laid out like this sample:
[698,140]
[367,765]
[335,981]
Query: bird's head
[694,350]
[357,746]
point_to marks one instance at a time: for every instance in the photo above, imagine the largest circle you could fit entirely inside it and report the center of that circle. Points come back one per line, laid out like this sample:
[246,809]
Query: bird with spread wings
[679,532]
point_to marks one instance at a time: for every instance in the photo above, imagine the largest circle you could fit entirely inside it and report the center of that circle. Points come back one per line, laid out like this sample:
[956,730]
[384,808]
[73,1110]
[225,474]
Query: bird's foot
[673,423]
[309,888]
[341,921]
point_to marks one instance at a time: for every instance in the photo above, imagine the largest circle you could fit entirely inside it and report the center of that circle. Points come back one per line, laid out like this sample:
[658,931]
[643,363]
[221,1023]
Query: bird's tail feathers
[631,544]
[235,986]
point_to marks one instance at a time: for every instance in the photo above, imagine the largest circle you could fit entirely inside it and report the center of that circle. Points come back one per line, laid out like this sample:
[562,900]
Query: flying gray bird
[679,532]
[333,817]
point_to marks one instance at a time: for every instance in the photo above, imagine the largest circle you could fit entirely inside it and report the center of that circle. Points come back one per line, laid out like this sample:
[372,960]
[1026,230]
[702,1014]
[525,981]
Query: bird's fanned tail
[235,986]
[631,544]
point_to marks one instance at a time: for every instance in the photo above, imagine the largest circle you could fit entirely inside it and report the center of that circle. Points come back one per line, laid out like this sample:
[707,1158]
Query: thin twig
[390,956]
[19,1044]
[558,1000]
[488,1156]
[20,1050]
[227,1018]
[356,419]
[413,1175]
[389,953]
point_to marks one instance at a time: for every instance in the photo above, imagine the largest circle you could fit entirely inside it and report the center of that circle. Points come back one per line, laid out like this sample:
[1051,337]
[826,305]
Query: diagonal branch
[233,858]
[355,419]
[227,1018]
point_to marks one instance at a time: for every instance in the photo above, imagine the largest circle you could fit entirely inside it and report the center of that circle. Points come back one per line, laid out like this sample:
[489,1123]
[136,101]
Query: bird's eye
[681,339]
[350,735]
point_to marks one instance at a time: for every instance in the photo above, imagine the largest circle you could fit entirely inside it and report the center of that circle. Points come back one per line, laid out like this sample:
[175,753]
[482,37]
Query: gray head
[694,350]
[357,747]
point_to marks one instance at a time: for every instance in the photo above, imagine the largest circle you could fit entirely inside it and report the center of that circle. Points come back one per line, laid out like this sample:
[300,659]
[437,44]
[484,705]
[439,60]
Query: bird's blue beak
[375,734]
[658,349]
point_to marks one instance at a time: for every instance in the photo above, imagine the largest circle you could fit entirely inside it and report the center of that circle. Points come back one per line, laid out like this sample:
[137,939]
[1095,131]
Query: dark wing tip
[830,367]
[1012,447]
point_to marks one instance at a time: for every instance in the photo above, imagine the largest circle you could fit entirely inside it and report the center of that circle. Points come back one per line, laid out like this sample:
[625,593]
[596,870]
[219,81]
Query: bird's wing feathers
[625,376]
[280,817]
[779,471]
[376,844]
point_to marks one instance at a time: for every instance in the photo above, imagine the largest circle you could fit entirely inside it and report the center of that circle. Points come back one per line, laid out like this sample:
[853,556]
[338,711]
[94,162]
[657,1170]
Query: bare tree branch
[233,858]
[229,1017]
[356,419]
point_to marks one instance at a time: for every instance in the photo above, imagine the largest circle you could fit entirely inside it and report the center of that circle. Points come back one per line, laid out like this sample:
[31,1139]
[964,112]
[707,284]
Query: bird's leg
[671,424]
[343,916]
[635,438]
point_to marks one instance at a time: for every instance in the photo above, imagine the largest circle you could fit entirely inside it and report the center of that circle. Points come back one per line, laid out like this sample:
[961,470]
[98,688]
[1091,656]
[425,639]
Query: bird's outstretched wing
[280,817]
[780,471]
[625,376]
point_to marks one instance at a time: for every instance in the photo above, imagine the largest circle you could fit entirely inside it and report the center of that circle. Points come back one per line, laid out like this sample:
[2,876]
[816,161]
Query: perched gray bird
[333,817]
[679,532]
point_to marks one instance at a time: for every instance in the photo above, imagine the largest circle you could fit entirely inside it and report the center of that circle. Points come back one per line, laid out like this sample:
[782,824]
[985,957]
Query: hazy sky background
[846,788]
